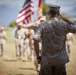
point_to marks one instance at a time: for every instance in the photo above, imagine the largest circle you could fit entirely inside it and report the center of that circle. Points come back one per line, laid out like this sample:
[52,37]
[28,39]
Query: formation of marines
[24,43]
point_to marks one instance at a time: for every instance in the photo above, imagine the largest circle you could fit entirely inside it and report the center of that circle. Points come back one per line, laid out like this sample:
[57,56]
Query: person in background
[53,33]
[69,42]
[32,27]
[2,40]
[20,35]
[26,50]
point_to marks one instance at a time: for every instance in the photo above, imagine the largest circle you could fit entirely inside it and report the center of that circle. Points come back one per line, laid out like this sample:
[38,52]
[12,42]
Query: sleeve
[38,33]
[35,26]
[71,28]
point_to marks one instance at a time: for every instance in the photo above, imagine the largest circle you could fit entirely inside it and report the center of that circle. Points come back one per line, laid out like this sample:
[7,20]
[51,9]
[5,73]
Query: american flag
[24,15]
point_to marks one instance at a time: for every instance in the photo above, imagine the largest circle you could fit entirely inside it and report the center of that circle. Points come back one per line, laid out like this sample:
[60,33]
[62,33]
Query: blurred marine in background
[34,26]
[69,42]
[20,35]
[2,40]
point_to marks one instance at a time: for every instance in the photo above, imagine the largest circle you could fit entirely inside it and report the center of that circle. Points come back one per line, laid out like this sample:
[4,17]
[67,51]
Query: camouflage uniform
[53,35]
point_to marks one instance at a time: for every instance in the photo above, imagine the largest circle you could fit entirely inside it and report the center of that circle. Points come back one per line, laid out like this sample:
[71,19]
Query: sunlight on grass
[14,68]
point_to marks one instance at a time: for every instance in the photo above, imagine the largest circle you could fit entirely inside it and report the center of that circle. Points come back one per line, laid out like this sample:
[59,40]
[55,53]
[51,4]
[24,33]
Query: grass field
[9,65]
[71,66]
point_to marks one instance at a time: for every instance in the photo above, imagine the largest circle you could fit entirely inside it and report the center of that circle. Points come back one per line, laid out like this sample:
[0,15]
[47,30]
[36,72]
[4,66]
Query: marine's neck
[55,18]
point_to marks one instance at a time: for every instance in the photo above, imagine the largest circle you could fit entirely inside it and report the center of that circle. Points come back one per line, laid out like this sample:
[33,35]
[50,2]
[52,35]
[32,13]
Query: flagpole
[30,17]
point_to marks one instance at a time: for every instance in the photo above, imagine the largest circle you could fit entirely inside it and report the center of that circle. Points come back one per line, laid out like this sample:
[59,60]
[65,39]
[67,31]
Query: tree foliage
[12,24]
[45,9]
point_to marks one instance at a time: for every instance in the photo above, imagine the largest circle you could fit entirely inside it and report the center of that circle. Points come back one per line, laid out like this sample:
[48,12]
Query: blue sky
[66,5]
[9,8]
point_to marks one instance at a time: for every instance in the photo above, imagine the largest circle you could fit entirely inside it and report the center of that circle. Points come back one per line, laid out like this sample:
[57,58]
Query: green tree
[12,24]
[45,9]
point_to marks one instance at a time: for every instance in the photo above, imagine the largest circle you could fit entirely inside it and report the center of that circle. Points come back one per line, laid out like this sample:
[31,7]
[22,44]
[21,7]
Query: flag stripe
[24,20]
[29,5]
[21,18]
[24,14]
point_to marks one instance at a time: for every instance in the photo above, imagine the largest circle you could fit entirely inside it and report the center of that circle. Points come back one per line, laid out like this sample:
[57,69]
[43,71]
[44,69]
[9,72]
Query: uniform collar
[54,18]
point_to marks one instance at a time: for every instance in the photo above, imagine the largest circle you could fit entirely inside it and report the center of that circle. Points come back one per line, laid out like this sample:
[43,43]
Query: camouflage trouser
[53,70]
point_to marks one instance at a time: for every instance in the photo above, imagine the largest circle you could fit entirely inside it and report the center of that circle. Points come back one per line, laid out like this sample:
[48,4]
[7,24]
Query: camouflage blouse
[53,35]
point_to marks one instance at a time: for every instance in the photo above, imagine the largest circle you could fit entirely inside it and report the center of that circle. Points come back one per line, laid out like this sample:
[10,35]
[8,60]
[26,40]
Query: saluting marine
[52,32]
